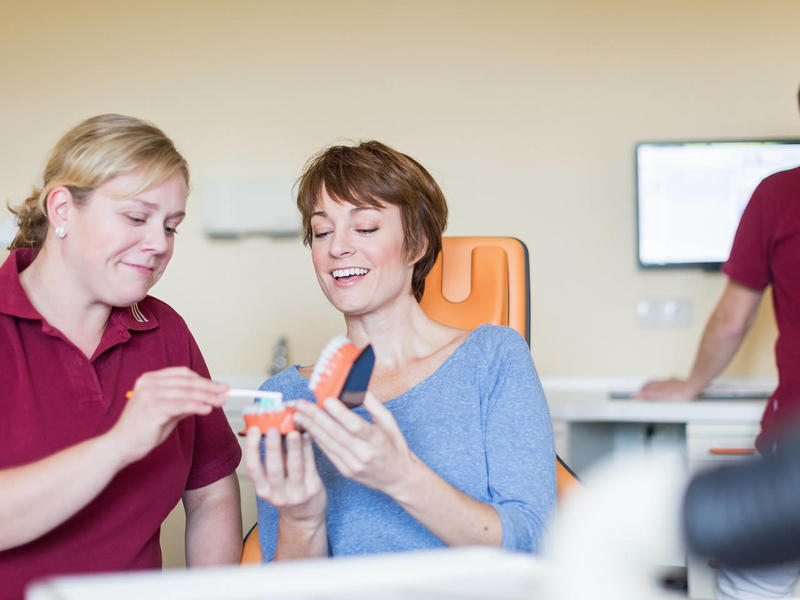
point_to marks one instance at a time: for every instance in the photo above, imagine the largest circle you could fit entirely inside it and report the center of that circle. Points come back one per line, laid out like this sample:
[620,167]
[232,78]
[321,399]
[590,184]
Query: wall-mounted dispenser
[238,206]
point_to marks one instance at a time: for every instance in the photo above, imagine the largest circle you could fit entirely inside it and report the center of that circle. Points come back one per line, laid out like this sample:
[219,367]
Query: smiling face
[119,246]
[359,255]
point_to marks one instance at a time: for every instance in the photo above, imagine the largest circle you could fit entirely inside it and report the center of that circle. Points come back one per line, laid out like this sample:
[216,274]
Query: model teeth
[324,359]
[338,273]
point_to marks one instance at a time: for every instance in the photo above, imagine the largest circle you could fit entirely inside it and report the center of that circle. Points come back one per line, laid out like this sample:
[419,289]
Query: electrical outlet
[664,312]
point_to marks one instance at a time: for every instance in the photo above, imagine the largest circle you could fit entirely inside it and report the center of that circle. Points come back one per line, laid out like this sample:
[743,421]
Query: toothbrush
[231,393]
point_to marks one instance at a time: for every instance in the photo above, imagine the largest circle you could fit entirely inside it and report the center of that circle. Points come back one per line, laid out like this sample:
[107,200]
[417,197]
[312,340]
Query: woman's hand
[373,454]
[287,480]
[159,400]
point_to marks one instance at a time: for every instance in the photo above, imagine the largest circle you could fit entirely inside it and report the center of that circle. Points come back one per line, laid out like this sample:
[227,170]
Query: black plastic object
[355,386]
[747,515]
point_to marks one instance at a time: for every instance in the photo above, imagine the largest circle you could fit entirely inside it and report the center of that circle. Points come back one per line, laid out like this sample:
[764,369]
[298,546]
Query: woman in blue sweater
[453,444]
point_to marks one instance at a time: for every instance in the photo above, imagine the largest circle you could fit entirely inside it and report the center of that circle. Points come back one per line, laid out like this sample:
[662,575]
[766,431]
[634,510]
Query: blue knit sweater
[480,421]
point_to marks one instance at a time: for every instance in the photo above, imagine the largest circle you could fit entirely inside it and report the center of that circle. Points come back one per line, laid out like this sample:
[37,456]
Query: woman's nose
[157,239]
[341,244]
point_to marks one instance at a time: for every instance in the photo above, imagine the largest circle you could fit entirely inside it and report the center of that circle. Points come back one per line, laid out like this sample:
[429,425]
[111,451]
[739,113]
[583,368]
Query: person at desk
[87,476]
[766,251]
[453,445]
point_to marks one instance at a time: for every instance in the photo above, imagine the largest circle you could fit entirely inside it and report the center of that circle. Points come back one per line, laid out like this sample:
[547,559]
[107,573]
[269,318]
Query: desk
[588,427]
[453,573]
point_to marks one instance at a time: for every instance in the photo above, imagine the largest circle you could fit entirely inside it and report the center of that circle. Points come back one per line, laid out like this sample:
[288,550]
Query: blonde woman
[87,476]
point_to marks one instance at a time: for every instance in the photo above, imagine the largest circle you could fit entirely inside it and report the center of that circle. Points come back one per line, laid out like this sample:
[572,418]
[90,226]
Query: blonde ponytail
[32,223]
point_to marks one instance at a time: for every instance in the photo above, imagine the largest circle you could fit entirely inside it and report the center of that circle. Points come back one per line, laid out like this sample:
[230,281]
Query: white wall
[526,112]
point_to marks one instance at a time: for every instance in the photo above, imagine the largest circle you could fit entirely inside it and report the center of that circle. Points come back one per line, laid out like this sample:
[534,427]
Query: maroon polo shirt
[766,251]
[52,396]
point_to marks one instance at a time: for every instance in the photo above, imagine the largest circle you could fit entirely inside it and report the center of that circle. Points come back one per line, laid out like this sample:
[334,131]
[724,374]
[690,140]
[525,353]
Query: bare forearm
[451,515]
[301,540]
[719,343]
[214,524]
[75,476]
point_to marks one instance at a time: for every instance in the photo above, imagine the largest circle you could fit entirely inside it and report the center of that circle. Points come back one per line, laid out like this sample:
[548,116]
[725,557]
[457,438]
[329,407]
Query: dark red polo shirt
[766,250]
[52,397]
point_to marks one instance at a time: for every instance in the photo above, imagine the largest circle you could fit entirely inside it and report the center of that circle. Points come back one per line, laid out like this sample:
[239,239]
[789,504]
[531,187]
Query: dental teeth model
[342,371]
[270,411]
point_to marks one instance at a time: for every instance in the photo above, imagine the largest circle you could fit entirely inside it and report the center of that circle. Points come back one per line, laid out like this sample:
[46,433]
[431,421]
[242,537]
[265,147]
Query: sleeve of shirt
[519,445]
[749,260]
[216,450]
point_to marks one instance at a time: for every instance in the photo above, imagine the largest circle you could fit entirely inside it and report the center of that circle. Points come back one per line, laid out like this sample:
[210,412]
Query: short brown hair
[371,174]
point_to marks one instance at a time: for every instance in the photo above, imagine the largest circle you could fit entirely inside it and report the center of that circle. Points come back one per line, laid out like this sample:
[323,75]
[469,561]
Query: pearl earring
[61,232]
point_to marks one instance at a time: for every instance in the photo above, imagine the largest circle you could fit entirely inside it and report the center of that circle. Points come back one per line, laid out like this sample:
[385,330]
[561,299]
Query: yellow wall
[526,112]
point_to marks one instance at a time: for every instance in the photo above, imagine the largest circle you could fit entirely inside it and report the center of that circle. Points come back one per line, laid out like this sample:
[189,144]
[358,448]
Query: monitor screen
[690,196]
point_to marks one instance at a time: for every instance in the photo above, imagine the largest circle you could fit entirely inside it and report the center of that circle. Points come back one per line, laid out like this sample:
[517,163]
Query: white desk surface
[596,406]
[584,399]
[466,573]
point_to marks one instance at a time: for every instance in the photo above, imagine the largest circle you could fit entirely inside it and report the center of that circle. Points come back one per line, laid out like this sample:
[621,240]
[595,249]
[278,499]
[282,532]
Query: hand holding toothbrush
[157,402]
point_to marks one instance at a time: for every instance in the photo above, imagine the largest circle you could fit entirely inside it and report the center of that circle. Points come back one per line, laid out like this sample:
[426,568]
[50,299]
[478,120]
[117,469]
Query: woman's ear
[413,259]
[59,205]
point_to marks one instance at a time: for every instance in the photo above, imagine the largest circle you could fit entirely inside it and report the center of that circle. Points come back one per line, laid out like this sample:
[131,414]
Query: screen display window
[690,196]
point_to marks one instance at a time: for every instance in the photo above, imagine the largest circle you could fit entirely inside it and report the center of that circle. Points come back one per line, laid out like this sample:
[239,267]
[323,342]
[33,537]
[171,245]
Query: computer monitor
[690,196]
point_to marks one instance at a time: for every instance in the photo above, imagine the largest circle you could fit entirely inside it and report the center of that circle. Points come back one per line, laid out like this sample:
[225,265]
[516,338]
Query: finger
[169,372]
[182,377]
[323,427]
[253,464]
[179,407]
[651,388]
[381,415]
[186,384]
[344,463]
[273,459]
[193,382]
[346,417]
[165,413]
[195,408]
[177,391]
[309,465]
[294,459]
[315,416]
[341,448]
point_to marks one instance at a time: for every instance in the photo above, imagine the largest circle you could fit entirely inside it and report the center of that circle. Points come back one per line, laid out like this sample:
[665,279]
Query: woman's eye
[170,230]
[135,219]
[321,234]
[367,230]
